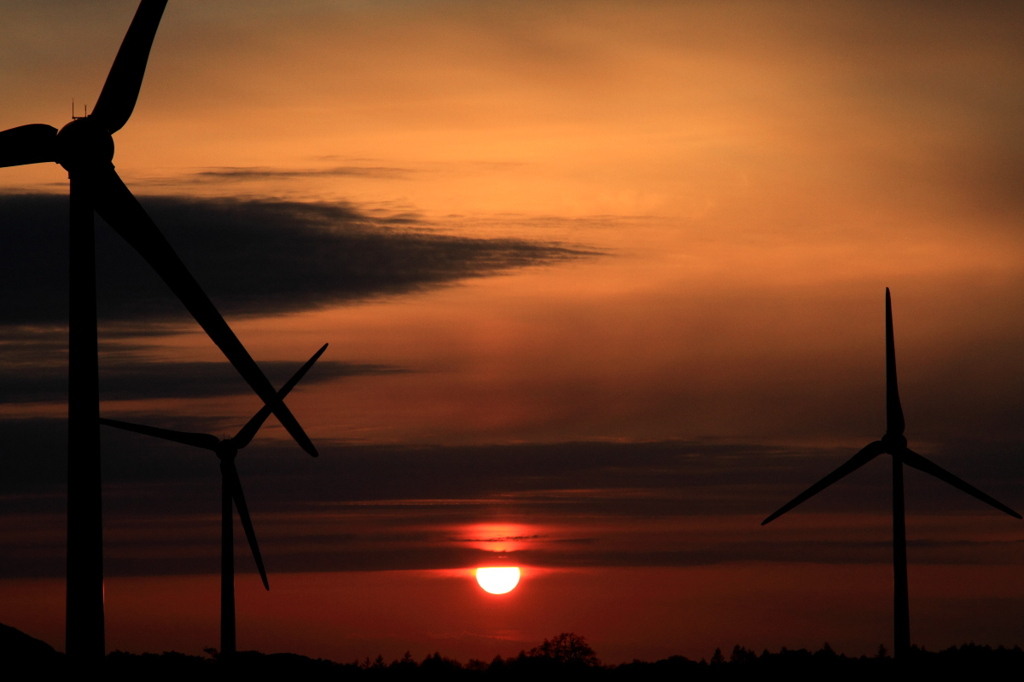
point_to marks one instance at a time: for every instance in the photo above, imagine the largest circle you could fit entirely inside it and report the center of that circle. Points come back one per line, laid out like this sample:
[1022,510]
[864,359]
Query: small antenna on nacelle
[84,106]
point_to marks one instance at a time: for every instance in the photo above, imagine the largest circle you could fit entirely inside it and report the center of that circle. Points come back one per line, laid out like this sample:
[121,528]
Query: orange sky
[739,182]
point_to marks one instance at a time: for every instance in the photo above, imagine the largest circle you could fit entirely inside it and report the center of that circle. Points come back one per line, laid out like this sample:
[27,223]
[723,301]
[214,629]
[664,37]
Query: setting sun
[498,579]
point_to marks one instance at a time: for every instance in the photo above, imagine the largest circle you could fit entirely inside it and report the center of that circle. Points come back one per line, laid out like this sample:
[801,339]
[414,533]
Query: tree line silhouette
[565,656]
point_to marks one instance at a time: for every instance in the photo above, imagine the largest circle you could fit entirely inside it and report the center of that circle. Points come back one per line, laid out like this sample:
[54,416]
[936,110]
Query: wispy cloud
[235,173]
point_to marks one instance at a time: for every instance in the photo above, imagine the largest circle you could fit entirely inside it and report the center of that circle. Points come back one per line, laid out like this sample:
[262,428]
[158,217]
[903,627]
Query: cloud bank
[666,503]
[253,257]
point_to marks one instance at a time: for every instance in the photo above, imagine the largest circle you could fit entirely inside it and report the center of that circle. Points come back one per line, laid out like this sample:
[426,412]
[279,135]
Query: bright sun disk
[498,579]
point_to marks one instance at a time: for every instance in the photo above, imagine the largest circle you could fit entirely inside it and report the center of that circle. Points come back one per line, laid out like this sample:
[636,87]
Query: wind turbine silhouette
[85,148]
[231,491]
[894,444]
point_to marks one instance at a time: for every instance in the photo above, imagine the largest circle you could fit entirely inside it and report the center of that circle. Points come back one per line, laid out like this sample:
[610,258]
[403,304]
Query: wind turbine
[85,148]
[231,491]
[894,443]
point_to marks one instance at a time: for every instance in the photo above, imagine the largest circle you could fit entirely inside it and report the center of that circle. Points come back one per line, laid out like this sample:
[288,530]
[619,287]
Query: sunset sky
[603,284]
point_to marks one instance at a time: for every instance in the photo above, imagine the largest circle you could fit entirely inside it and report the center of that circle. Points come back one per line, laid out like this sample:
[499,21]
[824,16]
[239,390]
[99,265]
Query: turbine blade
[196,440]
[122,211]
[34,143]
[121,90]
[871,451]
[248,432]
[911,458]
[894,424]
[243,514]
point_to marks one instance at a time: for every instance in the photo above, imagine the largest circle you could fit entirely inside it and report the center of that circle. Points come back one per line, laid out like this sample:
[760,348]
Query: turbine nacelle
[894,443]
[227,450]
[84,144]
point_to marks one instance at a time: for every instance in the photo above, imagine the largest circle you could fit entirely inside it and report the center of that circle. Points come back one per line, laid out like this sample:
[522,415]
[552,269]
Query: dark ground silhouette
[566,656]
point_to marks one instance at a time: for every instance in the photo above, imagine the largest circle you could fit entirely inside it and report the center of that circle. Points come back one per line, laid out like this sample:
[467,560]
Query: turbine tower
[231,491]
[85,148]
[894,444]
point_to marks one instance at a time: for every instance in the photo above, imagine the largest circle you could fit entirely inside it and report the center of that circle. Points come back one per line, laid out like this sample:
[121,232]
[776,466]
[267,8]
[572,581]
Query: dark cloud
[504,539]
[379,507]
[138,379]
[34,462]
[663,478]
[253,257]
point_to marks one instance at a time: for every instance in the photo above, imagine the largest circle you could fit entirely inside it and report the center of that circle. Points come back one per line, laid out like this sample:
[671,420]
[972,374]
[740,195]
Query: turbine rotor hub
[894,442]
[227,451]
[83,144]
